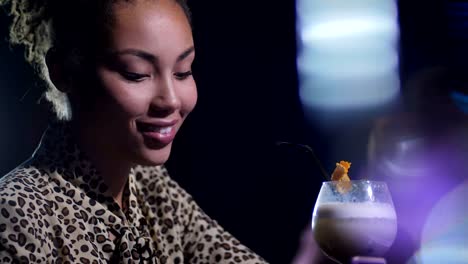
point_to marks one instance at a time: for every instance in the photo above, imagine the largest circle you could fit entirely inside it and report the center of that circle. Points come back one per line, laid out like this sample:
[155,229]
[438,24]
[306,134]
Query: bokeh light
[445,233]
[348,57]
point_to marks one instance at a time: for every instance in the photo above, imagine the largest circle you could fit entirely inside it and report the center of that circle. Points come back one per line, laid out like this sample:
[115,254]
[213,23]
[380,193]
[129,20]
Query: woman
[118,74]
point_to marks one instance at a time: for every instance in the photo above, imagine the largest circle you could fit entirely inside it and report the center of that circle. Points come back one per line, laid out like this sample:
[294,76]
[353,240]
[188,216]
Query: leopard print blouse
[55,208]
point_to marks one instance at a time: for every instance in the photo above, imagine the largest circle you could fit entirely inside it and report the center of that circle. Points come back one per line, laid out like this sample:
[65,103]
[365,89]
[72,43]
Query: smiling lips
[161,132]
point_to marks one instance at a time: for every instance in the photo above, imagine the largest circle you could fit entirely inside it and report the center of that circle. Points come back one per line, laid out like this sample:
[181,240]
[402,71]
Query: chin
[154,157]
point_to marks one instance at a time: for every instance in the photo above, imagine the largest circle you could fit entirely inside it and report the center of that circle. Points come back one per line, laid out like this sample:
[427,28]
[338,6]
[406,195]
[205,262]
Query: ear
[57,74]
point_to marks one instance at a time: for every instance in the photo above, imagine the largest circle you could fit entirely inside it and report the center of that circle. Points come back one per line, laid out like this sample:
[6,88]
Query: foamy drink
[347,229]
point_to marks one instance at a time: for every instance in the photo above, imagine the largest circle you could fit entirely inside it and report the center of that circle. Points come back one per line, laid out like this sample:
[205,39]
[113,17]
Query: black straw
[311,151]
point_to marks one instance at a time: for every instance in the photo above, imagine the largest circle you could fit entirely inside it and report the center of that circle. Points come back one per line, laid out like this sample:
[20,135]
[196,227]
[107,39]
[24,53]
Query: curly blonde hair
[39,25]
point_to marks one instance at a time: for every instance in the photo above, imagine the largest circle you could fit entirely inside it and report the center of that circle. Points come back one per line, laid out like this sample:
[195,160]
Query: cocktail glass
[361,221]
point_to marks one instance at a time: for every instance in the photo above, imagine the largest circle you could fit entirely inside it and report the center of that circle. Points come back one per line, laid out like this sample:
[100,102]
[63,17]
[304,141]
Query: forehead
[149,22]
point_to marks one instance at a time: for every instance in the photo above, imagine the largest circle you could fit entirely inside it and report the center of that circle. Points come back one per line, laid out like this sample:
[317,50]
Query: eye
[133,76]
[182,75]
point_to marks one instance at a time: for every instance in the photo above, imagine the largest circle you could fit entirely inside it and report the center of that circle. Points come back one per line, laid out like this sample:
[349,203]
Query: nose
[166,99]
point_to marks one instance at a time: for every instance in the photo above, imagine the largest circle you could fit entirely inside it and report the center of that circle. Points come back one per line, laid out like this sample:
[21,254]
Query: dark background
[225,155]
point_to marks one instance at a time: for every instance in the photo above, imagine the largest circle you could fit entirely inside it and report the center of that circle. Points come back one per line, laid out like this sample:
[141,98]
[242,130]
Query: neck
[113,168]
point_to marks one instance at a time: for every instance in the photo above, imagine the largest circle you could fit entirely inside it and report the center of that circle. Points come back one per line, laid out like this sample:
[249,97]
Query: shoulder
[26,178]
[24,182]
[23,193]
[22,202]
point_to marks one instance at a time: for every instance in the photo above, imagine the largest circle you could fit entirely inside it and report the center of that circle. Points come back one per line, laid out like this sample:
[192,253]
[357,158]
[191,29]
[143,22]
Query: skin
[143,75]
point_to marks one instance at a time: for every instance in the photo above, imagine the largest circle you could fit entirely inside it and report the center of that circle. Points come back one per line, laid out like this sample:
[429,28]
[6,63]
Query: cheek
[125,100]
[188,97]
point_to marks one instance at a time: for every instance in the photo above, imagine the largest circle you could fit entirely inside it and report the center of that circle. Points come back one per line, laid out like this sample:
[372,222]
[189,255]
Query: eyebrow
[186,53]
[150,57]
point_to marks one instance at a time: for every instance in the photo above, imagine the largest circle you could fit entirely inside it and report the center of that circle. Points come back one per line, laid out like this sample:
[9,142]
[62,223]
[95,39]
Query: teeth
[165,130]
[157,129]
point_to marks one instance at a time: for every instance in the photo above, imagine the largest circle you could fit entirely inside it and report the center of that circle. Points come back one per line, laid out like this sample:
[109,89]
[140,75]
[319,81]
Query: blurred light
[344,28]
[445,233]
[460,100]
[348,57]
[370,193]
[406,158]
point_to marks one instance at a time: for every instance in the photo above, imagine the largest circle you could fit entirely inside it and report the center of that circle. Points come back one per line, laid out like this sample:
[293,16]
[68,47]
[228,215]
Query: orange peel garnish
[341,177]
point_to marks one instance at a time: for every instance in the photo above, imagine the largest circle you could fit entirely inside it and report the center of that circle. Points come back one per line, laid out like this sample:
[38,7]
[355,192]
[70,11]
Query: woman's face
[146,81]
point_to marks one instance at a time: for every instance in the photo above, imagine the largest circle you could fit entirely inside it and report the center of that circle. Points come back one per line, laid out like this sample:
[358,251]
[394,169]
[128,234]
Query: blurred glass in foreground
[421,153]
[445,233]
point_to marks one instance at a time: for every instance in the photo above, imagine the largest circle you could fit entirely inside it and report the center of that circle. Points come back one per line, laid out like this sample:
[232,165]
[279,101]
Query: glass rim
[357,181]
